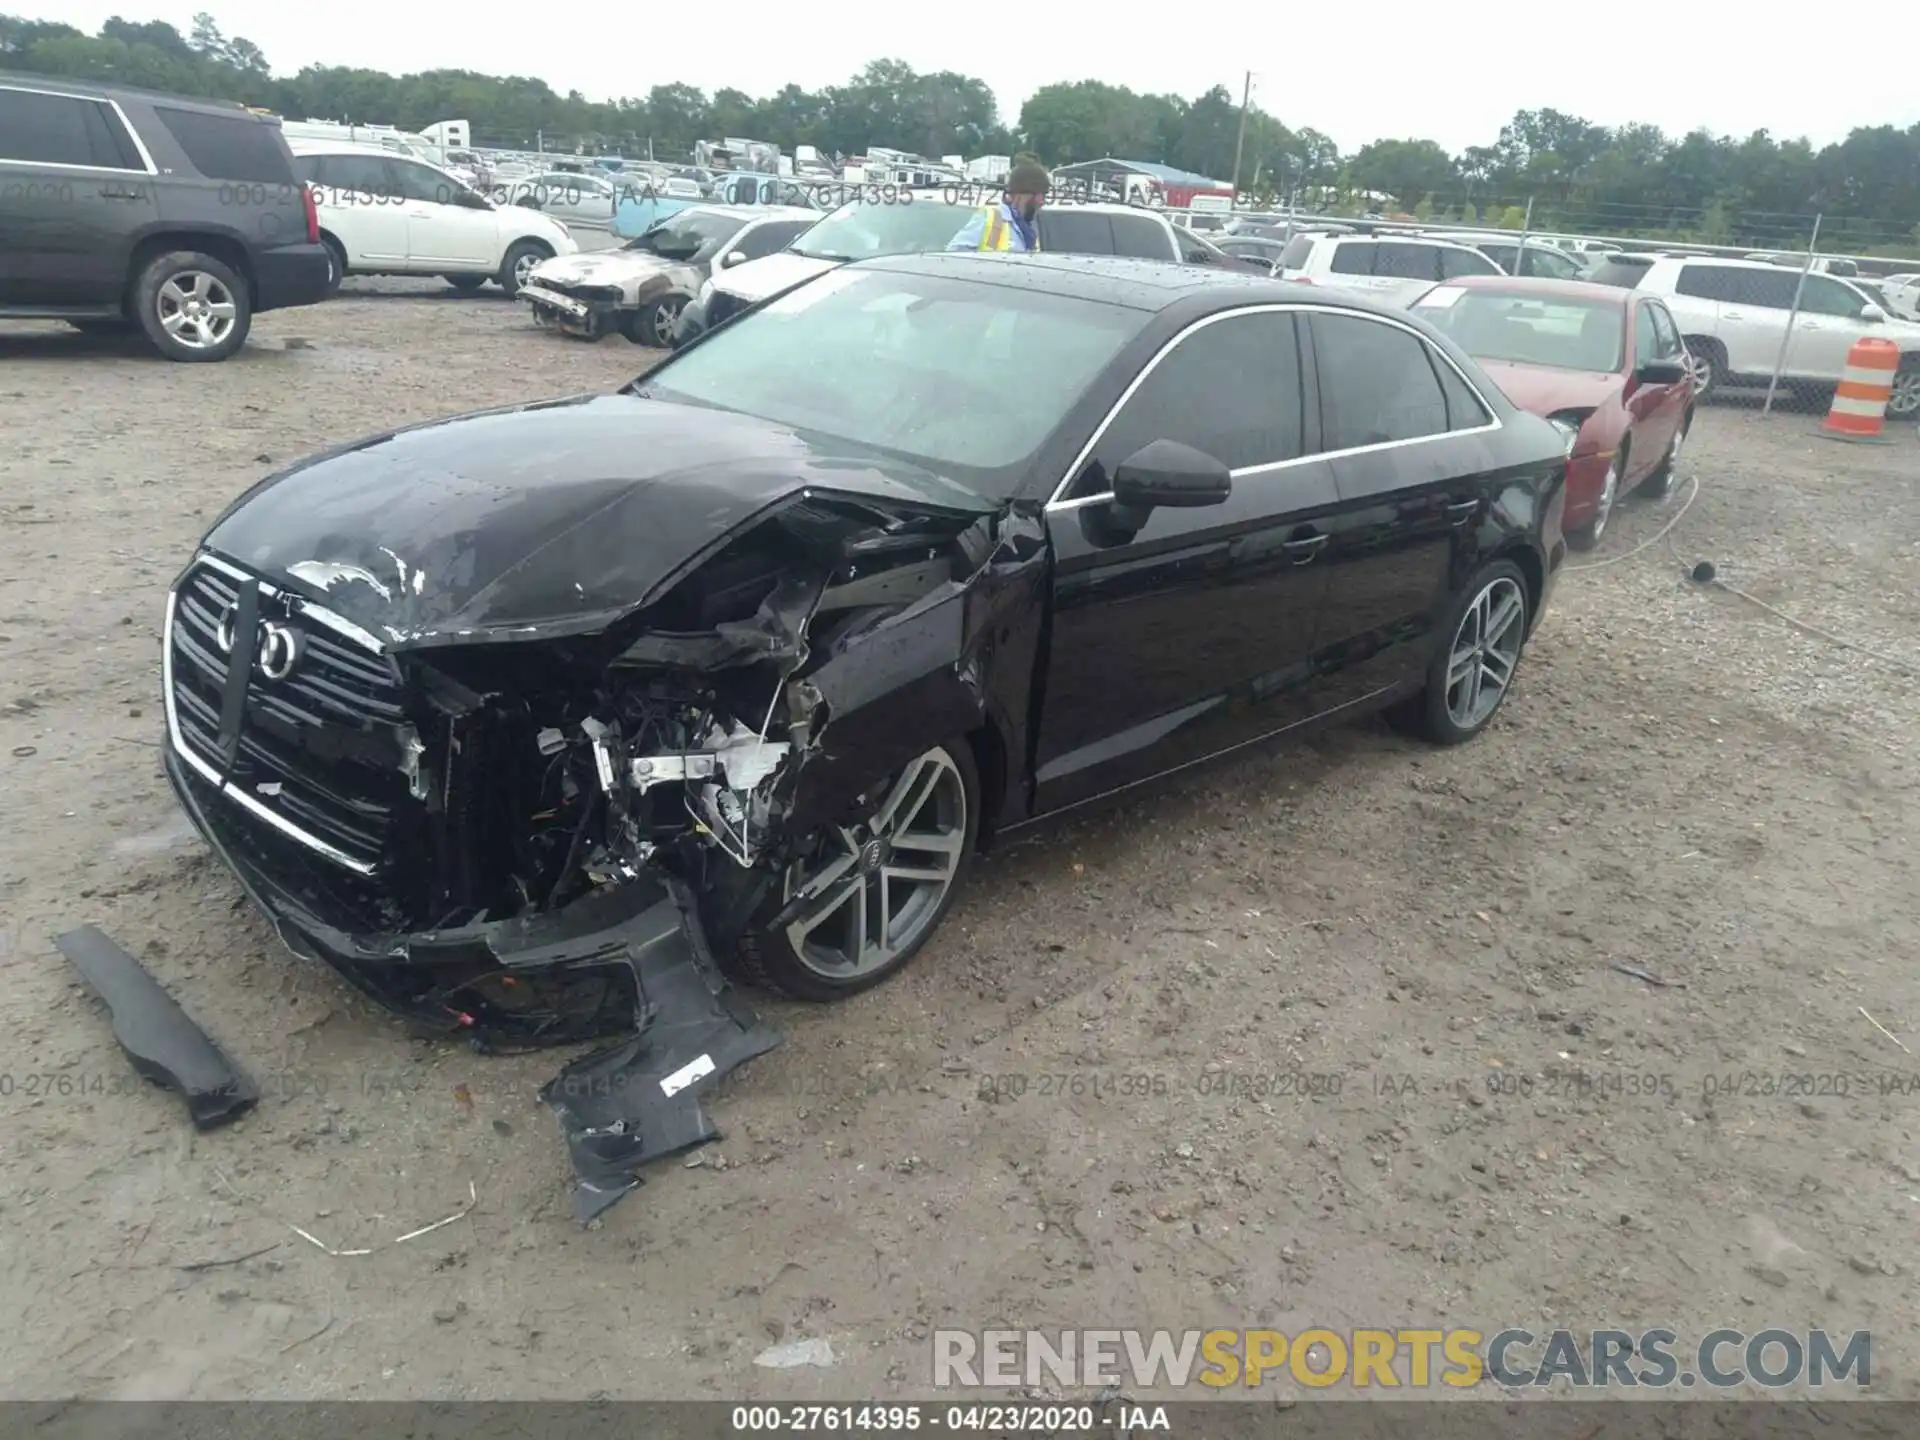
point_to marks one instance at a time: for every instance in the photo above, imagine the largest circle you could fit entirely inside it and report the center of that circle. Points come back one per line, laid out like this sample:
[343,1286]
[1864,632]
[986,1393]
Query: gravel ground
[1476,1118]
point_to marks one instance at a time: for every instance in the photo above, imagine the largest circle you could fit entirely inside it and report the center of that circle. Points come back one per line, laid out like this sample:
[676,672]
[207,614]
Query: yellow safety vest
[998,233]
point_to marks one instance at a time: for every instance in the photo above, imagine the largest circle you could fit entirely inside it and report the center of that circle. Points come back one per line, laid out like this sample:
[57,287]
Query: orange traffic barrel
[1859,410]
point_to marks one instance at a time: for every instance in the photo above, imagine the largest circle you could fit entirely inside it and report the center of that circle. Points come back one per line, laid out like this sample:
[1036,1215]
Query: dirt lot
[1026,1127]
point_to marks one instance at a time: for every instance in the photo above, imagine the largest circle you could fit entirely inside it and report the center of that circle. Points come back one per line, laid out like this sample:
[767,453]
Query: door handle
[1303,549]
[421,214]
[1461,511]
[118,192]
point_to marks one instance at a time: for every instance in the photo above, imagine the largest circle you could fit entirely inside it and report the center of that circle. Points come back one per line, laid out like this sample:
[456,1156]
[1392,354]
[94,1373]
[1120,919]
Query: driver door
[1195,633]
[447,224]
[1829,323]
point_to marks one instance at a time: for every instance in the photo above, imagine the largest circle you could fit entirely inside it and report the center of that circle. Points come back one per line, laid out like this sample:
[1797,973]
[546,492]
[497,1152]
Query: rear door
[1402,430]
[1752,303]
[1196,633]
[76,191]
[360,207]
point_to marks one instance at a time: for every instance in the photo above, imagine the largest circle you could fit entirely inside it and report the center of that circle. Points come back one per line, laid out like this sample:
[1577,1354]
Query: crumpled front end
[543,841]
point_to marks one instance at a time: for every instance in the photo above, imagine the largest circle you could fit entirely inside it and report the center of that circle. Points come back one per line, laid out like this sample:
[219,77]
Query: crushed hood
[540,520]
[604,267]
[1543,389]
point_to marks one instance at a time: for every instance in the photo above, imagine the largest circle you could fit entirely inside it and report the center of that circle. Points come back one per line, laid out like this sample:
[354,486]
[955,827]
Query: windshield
[958,377]
[858,230]
[695,236]
[1529,329]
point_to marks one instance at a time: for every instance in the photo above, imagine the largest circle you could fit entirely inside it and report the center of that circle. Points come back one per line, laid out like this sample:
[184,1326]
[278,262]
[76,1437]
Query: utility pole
[1240,141]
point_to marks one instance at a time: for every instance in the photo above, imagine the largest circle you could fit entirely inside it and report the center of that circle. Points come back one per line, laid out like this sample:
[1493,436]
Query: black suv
[125,207]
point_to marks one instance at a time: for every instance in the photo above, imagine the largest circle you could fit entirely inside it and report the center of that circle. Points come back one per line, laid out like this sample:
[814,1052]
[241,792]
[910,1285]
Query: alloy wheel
[1905,399]
[523,268]
[1700,366]
[197,310]
[1485,651]
[874,890]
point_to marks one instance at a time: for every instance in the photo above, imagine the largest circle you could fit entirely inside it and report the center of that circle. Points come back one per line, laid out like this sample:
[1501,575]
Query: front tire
[192,306]
[518,265]
[1659,484]
[1472,671]
[876,889]
[652,325]
[1904,403]
[1589,535]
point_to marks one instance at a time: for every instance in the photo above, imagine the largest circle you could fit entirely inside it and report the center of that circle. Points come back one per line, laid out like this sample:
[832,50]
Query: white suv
[384,214]
[1733,315]
[1397,268]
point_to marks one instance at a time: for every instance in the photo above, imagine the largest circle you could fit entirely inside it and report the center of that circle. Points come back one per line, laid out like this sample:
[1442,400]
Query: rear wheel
[192,306]
[1660,483]
[1904,403]
[1589,535]
[862,897]
[1470,674]
[1708,364]
[336,263]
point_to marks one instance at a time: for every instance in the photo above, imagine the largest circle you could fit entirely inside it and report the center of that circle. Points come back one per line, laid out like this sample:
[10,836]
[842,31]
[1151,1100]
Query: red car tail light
[313,214]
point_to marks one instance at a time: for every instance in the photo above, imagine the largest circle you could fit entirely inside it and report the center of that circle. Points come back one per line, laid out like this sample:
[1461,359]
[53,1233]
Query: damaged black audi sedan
[747,659]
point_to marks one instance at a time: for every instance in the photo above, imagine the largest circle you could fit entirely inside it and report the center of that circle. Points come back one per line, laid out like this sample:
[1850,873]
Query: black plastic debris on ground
[163,1043]
[639,1101]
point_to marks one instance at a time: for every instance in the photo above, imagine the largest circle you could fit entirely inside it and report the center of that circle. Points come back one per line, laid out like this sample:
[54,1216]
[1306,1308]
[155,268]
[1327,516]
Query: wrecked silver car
[534,722]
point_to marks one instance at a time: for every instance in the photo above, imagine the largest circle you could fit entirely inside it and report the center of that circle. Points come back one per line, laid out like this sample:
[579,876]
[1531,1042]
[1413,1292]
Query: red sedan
[1606,365]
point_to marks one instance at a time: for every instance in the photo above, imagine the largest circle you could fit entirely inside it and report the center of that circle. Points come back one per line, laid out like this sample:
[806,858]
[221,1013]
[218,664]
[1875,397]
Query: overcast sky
[1397,75]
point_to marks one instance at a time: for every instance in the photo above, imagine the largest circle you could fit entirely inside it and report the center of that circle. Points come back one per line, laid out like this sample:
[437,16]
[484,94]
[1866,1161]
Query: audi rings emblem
[279,651]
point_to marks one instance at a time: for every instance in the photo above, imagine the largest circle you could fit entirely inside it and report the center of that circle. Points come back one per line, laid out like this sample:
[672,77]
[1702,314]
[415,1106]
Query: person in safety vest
[1013,223]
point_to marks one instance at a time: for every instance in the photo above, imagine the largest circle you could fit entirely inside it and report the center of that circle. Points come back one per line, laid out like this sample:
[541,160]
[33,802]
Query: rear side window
[1706,282]
[1353,257]
[362,174]
[1376,383]
[1620,275]
[63,130]
[1230,389]
[228,147]
[1464,410]
[1076,233]
[1137,235]
[765,239]
[1400,260]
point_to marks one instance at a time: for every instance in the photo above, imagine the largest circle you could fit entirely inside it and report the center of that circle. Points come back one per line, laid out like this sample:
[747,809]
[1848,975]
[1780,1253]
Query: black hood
[540,520]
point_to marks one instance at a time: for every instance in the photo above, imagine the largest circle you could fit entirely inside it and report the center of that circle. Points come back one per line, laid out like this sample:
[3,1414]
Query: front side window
[766,238]
[1230,388]
[1138,236]
[1377,384]
[1076,232]
[1821,296]
[1668,345]
[964,379]
[1457,262]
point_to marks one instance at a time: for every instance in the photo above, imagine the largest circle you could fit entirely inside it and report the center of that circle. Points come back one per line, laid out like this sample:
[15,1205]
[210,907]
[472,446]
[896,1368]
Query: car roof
[309,145]
[111,89]
[1539,285]
[1119,280]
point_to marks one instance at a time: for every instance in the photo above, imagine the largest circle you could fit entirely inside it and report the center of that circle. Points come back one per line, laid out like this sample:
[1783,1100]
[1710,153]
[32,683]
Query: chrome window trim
[308,610]
[1055,503]
[140,145]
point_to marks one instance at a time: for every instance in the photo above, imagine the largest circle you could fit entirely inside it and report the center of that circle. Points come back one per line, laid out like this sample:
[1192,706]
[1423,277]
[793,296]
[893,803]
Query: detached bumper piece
[165,1046]
[592,317]
[640,1101]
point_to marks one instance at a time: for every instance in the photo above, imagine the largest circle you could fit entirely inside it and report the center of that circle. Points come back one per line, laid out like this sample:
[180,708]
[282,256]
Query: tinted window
[1844,268]
[1194,250]
[1822,296]
[1137,235]
[1705,282]
[1455,263]
[1230,388]
[1401,260]
[1464,410]
[962,379]
[63,130]
[1501,255]
[1076,233]
[229,147]
[1376,383]
[1623,275]
[1354,257]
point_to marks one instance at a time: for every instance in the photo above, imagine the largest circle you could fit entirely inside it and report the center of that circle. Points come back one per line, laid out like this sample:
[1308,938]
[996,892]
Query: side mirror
[1660,372]
[737,257]
[1872,314]
[1165,472]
